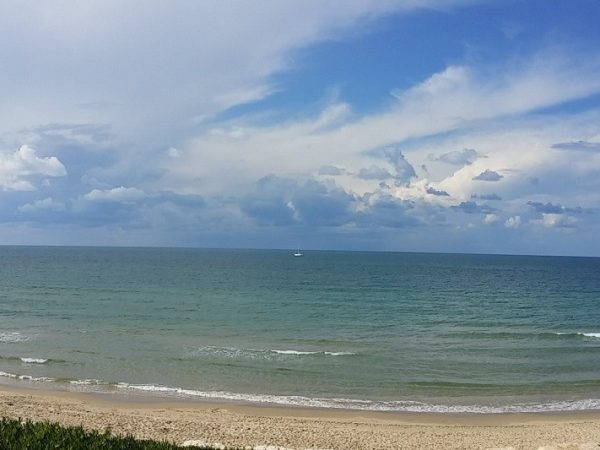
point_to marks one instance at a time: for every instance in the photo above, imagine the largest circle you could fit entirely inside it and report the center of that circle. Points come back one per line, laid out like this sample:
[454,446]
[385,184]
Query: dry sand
[240,426]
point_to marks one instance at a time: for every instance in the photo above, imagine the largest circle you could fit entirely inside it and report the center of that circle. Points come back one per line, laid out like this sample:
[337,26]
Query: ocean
[449,333]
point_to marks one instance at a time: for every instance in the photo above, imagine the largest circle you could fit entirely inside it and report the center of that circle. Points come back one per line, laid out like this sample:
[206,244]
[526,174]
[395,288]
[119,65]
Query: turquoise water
[384,331]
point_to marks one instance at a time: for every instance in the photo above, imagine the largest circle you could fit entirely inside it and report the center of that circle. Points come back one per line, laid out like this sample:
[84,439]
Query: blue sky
[420,125]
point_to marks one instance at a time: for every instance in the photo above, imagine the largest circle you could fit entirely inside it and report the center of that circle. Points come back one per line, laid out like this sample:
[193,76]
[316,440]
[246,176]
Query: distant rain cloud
[578,146]
[457,157]
[439,193]
[374,173]
[486,196]
[488,175]
[470,207]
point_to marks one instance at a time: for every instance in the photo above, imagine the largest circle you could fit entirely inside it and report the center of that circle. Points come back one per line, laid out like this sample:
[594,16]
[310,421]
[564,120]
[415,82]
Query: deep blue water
[397,331]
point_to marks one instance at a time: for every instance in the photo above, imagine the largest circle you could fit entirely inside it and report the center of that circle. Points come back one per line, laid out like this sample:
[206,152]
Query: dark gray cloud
[118,206]
[404,170]
[374,173]
[488,175]
[486,196]
[331,170]
[388,211]
[470,207]
[551,208]
[458,158]
[583,146]
[434,191]
[282,202]
[320,205]
[269,204]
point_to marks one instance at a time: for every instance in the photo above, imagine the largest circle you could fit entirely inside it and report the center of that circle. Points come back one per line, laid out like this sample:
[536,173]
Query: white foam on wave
[7,375]
[579,333]
[88,382]
[25,377]
[11,337]
[298,352]
[252,353]
[293,352]
[369,405]
[34,360]
[31,378]
[331,403]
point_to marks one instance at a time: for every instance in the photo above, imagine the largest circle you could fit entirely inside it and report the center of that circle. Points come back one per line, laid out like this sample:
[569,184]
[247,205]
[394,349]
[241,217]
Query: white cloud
[19,169]
[454,99]
[146,70]
[174,152]
[118,194]
[550,220]
[513,222]
[490,218]
[47,204]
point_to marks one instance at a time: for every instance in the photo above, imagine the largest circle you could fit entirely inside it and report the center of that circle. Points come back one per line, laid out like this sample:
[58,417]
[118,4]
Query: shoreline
[240,425]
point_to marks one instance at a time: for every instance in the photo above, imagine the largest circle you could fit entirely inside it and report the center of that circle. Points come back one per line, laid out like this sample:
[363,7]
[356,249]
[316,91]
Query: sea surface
[378,331]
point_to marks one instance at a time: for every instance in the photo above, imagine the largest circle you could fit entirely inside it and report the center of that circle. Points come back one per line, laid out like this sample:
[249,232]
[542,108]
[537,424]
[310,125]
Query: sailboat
[298,253]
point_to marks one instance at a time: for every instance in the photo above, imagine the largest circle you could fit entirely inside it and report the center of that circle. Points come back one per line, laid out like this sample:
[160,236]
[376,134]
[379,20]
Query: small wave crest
[250,353]
[25,377]
[591,335]
[88,382]
[300,353]
[523,334]
[34,360]
[12,337]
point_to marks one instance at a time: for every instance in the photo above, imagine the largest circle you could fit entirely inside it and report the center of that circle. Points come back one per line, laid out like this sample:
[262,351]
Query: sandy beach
[243,426]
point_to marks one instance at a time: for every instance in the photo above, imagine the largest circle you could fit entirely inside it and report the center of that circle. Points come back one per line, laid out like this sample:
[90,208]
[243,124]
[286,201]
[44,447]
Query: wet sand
[249,426]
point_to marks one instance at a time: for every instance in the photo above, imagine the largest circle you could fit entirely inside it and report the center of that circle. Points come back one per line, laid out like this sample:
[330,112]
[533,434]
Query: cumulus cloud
[18,169]
[513,222]
[135,208]
[158,101]
[448,100]
[488,175]
[118,194]
[490,219]
[552,220]
[47,204]
[174,152]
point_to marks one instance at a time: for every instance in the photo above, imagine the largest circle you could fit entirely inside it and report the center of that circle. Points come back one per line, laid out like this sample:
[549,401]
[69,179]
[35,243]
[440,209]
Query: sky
[409,125]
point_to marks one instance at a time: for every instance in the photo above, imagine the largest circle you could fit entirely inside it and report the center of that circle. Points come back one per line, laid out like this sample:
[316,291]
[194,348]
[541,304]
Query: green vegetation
[18,435]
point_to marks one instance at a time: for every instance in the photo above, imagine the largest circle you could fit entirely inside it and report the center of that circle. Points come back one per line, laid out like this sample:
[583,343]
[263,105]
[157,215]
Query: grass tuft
[19,435]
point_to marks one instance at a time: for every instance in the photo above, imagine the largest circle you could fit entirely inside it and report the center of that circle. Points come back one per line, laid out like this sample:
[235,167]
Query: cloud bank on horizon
[417,125]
